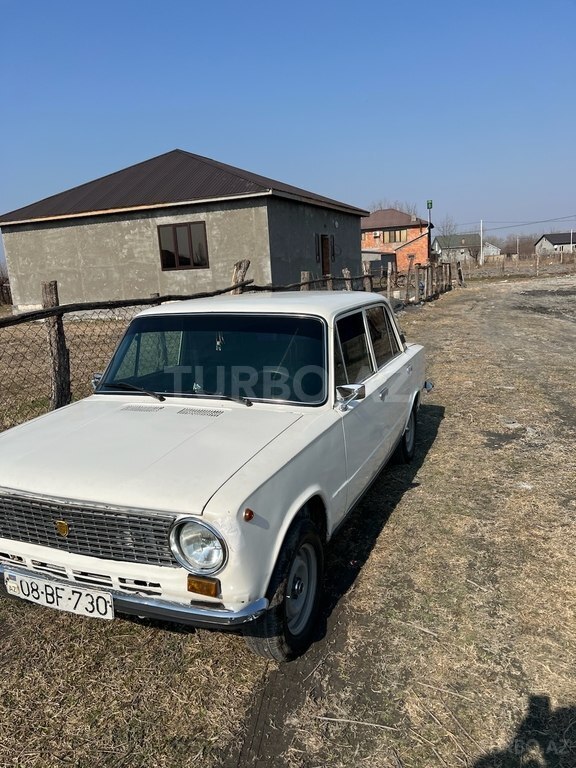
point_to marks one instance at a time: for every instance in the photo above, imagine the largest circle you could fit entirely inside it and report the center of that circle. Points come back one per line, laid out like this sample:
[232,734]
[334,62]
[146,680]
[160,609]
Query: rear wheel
[406,447]
[286,630]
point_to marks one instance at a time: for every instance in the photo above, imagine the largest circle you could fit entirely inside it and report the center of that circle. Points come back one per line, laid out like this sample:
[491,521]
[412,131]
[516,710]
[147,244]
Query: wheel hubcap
[301,589]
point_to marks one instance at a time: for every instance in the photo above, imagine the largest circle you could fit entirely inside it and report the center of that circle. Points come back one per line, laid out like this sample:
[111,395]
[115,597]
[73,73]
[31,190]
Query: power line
[517,223]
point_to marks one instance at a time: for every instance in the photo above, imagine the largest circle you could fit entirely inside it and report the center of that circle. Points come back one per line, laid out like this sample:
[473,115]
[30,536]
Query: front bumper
[165,610]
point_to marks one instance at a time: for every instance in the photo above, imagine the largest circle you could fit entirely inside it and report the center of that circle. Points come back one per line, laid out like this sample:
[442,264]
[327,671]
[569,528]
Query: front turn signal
[203,585]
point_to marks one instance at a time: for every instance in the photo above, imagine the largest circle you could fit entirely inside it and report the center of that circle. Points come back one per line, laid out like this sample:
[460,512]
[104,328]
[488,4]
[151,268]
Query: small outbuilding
[174,224]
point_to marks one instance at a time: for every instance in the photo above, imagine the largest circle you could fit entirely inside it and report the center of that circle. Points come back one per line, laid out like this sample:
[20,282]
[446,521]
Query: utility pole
[517,246]
[429,207]
[481,259]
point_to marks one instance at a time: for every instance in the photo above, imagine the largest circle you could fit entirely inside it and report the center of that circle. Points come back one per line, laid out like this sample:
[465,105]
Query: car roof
[326,304]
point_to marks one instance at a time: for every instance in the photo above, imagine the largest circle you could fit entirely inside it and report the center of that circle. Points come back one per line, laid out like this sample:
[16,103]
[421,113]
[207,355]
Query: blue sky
[470,104]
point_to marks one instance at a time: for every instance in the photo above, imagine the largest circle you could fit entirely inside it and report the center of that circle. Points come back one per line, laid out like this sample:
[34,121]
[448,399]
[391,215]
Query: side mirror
[347,393]
[96,378]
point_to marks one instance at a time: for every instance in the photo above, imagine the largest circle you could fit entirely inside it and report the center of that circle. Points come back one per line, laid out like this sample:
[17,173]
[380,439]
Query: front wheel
[286,630]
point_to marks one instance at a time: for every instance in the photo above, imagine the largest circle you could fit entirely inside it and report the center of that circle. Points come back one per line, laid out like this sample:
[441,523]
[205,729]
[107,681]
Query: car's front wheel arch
[287,628]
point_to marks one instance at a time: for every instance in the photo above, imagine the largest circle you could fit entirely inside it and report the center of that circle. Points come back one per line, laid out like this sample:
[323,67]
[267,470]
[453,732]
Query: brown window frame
[198,225]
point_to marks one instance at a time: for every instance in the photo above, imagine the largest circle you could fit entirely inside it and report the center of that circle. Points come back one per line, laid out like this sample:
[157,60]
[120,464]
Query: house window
[183,246]
[395,235]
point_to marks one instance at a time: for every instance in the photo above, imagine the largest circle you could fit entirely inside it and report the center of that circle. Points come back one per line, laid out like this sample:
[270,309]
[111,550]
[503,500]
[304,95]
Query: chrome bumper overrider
[166,610]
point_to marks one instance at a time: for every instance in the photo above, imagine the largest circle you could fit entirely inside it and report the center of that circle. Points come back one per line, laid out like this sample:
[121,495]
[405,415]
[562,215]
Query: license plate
[85,602]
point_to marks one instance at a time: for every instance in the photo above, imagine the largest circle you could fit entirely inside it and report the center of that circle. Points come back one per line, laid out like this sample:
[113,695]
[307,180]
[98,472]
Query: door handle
[383,394]
[409,369]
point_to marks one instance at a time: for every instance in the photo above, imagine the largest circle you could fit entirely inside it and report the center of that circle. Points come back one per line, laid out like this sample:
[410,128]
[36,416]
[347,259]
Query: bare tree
[474,251]
[398,205]
[3,272]
[447,226]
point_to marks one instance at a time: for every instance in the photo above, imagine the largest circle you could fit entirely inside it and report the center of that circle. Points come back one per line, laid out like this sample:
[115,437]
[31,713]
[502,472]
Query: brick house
[396,235]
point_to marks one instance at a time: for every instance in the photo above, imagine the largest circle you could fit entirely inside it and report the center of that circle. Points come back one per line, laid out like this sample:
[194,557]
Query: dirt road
[451,639]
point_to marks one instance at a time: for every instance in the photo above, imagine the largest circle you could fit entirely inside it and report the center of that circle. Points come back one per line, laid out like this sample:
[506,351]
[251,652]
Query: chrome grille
[111,534]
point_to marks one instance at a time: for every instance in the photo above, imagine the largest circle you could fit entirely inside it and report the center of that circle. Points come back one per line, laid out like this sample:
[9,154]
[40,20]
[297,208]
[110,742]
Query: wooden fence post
[408,276]
[5,294]
[239,274]
[305,278]
[347,279]
[367,273]
[60,393]
[461,281]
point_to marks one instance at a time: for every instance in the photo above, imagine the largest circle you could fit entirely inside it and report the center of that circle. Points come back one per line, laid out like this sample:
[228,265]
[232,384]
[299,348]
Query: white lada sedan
[223,446]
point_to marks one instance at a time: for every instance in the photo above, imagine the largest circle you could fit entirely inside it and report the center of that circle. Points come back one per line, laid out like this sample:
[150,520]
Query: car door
[362,419]
[368,351]
[393,368]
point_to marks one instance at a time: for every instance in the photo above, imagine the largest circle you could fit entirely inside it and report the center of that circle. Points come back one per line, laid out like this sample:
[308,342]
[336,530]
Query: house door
[326,251]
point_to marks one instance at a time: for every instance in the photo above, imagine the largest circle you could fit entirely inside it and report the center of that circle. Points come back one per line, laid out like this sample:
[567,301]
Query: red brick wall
[419,246]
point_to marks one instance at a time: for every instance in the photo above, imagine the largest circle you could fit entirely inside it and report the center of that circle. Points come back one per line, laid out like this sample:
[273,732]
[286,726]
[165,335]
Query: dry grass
[124,693]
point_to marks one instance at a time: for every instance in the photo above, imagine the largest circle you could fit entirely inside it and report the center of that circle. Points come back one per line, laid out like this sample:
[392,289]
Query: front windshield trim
[175,318]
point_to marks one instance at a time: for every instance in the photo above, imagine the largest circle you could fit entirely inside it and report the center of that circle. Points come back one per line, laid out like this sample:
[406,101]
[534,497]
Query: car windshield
[256,357]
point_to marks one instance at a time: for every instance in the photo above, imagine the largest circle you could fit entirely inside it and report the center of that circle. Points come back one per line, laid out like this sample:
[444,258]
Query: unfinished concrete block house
[174,224]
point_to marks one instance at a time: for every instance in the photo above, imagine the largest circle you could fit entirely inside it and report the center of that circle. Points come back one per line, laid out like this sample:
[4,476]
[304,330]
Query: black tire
[406,448]
[287,628]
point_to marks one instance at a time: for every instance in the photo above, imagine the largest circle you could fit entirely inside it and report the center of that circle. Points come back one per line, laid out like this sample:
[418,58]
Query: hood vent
[142,408]
[200,412]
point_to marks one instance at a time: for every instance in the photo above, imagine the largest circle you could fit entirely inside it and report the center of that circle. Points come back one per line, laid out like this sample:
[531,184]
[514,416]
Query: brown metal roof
[390,217]
[169,179]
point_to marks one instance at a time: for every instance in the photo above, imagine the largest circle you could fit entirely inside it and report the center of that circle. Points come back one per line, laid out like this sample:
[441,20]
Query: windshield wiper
[132,388]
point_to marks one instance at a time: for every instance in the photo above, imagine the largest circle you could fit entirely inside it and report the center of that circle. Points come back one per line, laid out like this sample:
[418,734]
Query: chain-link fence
[88,336]
[25,361]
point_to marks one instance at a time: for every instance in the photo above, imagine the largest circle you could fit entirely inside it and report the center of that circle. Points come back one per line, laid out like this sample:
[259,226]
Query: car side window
[354,348]
[384,339]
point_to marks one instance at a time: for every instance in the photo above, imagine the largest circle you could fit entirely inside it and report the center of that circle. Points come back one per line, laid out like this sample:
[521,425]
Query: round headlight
[198,547]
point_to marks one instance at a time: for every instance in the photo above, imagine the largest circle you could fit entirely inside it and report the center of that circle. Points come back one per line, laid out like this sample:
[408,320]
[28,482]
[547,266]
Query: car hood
[120,451]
